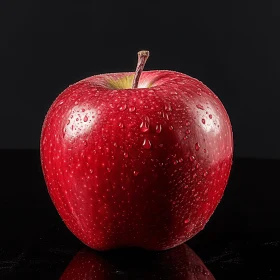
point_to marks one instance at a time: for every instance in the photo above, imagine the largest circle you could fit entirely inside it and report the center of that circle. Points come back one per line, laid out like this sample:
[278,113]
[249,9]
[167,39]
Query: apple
[136,159]
[179,263]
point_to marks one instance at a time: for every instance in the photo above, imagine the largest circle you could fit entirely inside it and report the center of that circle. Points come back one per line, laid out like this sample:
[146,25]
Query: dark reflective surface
[178,263]
[242,238]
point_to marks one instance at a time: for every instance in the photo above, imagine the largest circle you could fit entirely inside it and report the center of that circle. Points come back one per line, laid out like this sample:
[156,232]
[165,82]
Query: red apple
[136,162]
[179,263]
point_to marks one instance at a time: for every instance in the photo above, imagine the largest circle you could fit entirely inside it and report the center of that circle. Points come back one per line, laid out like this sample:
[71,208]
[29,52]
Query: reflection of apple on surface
[179,263]
[137,160]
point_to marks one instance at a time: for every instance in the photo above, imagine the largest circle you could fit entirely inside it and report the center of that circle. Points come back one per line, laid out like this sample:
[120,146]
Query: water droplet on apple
[188,123]
[210,116]
[90,171]
[85,142]
[188,131]
[125,155]
[131,109]
[147,144]
[170,127]
[108,169]
[199,91]
[203,121]
[175,162]
[145,124]
[205,173]
[60,103]
[186,221]
[197,146]
[123,107]
[160,164]
[199,106]
[168,107]
[85,118]
[121,125]
[158,128]
[135,173]
[192,158]
[181,160]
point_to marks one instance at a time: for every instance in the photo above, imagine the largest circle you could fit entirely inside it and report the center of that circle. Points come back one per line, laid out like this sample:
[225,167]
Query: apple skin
[142,167]
[179,263]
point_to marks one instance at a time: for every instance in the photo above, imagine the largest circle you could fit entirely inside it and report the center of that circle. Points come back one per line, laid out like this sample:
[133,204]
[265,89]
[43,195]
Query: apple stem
[142,58]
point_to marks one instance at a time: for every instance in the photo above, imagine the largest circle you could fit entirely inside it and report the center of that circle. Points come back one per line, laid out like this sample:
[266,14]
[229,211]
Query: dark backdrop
[232,46]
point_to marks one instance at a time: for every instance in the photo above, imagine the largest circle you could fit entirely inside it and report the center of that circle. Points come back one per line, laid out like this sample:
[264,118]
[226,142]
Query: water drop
[199,106]
[90,171]
[125,155]
[170,127]
[210,116]
[85,142]
[188,131]
[131,109]
[188,123]
[121,125]
[203,121]
[158,128]
[175,162]
[168,107]
[147,144]
[145,124]
[85,118]
[186,221]
[199,91]
[123,107]
[160,164]
[197,146]
[181,160]
[61,102]
[192,158]
[205,173]
[135,173]
[108,169]
[115,144]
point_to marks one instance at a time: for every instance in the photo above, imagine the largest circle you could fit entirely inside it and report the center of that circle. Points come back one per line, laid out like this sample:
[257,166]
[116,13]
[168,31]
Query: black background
[232,46]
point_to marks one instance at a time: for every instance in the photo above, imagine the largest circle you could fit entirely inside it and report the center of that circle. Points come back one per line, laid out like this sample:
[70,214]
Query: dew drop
[188,123]
[120,125]
[186,221]
[160,164]
[203,121]
[85,118]
[205,173]
[99,112]
[188,131]
[210,116]
[145,124]
[131,109]
[192,158]
[125,155]
[158,128]
[85,142]
[175,162]
[199,106]
[168,107]
[135,173]
[60,103]
[123,107]
[90,171]
[181,160]
[197,146]
[199,91]
[170,127]
[108,169]
[147,144]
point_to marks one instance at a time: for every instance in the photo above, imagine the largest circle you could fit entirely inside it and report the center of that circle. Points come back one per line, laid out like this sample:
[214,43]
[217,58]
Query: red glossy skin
[137,167]
[179,263]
